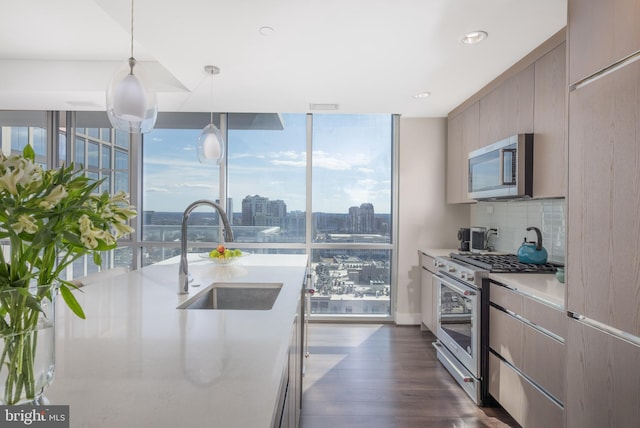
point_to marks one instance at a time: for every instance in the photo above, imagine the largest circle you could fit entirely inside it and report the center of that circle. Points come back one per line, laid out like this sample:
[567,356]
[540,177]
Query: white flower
[122,229]
[25,223]
[54,197]
[18,170]
[10,180]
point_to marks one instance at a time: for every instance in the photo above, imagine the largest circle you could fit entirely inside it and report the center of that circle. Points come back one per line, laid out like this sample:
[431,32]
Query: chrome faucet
[183,275]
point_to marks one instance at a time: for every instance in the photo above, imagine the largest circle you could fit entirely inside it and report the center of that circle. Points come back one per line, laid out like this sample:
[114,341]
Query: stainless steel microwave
[503,169]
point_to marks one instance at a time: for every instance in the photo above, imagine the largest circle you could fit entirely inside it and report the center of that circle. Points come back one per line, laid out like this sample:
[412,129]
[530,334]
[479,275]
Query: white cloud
[196,185]
[366,170]
[156,189]
[289,163]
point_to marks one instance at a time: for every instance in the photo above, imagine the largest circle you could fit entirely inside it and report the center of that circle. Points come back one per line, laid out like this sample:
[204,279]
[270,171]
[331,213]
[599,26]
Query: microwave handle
[512,153]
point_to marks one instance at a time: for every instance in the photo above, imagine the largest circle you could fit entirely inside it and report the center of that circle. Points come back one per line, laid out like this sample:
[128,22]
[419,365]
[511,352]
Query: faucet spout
[183,275]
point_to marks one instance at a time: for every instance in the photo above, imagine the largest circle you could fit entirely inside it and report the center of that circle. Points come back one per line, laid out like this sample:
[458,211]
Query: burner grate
[503,263]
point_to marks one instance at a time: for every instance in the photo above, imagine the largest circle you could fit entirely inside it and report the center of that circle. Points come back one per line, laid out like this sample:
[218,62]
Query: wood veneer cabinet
[429,292]
[454,160]
[600,33]
[549,124]
[603,225]
[603,261]
[508,109]
[462,138]
[604,380]
[526,357]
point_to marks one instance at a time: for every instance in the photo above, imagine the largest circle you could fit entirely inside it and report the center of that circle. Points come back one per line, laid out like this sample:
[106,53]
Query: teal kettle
[532,252]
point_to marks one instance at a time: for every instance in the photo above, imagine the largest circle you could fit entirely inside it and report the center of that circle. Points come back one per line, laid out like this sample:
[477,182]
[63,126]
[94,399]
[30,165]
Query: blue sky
[351,165]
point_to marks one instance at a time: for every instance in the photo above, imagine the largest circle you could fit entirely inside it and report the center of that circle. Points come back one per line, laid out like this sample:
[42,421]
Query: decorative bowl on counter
[223,260]
[560,274]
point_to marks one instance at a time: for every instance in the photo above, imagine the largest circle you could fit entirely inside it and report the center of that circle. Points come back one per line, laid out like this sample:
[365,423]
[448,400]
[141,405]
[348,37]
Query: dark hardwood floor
[384,376]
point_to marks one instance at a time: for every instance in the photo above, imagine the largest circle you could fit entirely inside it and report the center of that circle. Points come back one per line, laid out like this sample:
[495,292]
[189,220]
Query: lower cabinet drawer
[525,403]
[534,353]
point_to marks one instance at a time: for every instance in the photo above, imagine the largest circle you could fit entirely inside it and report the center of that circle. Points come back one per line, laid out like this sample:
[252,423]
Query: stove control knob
[463,275]
[451,268]
[470,277]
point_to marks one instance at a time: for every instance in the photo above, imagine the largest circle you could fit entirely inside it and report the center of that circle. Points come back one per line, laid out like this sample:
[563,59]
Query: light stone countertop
[438,252]
[137,361]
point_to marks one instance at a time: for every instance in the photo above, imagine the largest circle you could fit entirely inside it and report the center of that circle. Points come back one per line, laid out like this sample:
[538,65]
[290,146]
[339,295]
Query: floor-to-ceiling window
[352,216]
[172,178]
[102,153]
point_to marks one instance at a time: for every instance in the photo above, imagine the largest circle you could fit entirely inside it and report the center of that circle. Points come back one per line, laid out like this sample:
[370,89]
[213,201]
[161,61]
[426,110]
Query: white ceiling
[367,56]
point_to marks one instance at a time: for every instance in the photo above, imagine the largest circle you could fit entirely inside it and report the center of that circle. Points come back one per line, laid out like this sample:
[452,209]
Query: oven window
[456,317]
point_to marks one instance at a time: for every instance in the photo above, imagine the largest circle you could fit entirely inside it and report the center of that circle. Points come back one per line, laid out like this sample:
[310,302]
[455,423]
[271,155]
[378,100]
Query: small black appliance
[464,236]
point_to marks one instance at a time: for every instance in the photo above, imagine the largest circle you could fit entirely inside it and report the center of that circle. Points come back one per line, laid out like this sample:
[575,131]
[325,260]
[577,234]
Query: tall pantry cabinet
[603,206]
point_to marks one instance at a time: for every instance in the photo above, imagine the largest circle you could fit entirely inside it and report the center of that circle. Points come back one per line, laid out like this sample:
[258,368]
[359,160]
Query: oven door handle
[462,376]
[455,287]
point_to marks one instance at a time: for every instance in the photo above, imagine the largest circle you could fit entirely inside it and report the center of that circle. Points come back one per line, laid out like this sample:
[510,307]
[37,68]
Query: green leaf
[97,259]
[71,301]
[29,153]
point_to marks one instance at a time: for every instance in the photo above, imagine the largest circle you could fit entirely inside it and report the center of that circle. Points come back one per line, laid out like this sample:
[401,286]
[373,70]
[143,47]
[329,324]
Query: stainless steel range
[463,314]
[462,345]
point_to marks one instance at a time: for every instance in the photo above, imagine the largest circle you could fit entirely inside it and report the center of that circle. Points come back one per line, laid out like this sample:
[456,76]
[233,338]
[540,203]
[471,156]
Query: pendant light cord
[132,60]
[132,28]
[211,98]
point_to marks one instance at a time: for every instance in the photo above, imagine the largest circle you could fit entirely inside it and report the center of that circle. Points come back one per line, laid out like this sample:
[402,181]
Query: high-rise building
[361,219]
[260,211]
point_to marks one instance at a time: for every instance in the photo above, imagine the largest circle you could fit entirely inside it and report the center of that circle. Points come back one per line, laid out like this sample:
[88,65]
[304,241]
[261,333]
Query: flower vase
[27,333]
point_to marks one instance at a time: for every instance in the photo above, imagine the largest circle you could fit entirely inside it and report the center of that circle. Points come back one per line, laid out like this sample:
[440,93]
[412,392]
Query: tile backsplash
[512,219]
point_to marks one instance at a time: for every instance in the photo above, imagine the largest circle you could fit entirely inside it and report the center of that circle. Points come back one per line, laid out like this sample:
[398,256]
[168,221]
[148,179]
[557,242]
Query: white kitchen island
[137,361]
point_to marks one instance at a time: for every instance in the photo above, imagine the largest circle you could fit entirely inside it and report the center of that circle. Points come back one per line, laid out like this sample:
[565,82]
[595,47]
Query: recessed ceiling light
[266,31]
[422,95]
[474,37]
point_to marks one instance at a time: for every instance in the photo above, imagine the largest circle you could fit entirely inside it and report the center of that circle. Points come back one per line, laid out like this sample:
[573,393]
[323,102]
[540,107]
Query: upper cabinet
[606,30]
[549,124]
[530,97]
[462,138]
[508,109]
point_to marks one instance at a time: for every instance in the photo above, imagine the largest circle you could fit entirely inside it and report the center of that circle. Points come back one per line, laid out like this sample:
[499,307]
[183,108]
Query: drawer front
[537,355]
[427,262]
[551,319]
[524,402]
[546,317]
[506,298]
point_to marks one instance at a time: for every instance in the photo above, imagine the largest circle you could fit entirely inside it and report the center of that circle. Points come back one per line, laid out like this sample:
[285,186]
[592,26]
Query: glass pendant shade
[131,107]
[210,146]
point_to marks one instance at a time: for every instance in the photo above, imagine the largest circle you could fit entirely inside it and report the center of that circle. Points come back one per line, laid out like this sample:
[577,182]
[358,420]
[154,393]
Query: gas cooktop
[502,263]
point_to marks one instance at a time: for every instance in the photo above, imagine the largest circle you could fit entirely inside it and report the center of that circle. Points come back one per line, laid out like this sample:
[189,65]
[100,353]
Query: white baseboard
[408,318]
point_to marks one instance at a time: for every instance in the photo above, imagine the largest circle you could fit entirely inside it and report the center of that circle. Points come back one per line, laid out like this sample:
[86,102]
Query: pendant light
[131,107]
[210,145]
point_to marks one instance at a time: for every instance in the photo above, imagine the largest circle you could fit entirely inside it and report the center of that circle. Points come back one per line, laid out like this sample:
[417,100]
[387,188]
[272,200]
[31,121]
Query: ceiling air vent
[318,106]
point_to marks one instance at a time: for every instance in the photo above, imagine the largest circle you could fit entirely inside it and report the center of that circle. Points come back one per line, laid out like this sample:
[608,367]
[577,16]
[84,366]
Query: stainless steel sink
[235,295]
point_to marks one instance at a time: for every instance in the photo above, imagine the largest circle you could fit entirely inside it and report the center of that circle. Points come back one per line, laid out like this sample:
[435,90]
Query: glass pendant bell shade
[210,145]
[131,107]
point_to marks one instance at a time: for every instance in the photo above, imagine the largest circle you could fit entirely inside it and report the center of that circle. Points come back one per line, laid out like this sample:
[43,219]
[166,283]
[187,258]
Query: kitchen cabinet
[508,109]
[603,285]
[549,124]
[604,189]
[599,34]
[290,399]
[526,357]
[429,292]
[462,138]
[604,380]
